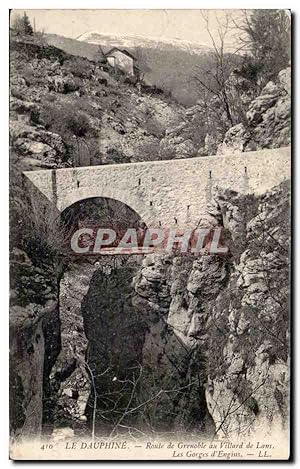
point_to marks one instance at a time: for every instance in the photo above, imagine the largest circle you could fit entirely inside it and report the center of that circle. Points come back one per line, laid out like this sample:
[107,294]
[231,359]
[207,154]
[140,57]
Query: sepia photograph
[150,213]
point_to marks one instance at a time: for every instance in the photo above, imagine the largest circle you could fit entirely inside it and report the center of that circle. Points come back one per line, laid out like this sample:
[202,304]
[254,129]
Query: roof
[124,51]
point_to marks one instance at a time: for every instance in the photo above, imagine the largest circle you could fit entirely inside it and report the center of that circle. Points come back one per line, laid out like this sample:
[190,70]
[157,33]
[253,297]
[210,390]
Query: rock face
[176,144]
[174,366]
[231,314]
[250,380]
[34,341]
[69,380]
[268,120]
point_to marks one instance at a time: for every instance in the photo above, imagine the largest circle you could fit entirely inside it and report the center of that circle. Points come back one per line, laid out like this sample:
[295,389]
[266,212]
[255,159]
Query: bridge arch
[145,213]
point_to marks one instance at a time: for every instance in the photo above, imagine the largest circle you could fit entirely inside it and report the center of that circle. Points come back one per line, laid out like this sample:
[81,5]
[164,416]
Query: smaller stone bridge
[163,192]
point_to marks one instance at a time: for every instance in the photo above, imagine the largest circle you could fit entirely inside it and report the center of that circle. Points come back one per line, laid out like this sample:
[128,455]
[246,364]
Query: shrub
[155,128]
[76,131]
[78,124]
[79,67]
[16,93]
[151,89]
[116,156]
[131,81]
[28,76]
[66,121]
[147,151]
[102,81]
[72,84]
[51,98]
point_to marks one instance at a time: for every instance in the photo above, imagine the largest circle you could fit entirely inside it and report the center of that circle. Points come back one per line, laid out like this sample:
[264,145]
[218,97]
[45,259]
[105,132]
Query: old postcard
[149,234]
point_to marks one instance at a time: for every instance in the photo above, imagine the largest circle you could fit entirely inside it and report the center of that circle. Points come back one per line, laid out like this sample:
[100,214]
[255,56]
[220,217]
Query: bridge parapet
[166,192]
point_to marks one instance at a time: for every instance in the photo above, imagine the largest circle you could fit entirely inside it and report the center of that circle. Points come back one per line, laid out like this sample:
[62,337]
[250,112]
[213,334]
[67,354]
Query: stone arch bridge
[162,192]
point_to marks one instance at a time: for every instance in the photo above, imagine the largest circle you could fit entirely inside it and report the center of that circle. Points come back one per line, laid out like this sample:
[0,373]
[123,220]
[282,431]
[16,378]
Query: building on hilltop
[122,60]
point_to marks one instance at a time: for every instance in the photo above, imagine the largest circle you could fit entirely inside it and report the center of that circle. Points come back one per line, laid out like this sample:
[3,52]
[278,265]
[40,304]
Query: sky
[187,25]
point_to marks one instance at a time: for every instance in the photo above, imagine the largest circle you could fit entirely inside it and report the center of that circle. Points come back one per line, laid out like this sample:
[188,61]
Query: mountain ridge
[95,37]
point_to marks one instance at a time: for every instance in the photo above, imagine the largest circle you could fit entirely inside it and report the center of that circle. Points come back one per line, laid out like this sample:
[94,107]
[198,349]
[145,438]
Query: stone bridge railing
[164,191]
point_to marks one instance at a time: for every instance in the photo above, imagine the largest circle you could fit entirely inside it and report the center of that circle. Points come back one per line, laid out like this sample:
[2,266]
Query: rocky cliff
[193,345]
[34,341]
[268,119]
[230,316]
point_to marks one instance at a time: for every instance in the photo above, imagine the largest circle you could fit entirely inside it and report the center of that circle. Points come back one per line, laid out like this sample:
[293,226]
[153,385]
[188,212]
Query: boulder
[284,78]
[176,143]
[56,83]
[71,84]
[27,147]
[235,140]
[48,147]
[20,106]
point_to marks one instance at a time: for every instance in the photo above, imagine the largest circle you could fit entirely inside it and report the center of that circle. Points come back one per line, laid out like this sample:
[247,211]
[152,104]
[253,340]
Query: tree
[223,65]
[217,101]
[266,34]
[248,50]
[22,25]
[142,63]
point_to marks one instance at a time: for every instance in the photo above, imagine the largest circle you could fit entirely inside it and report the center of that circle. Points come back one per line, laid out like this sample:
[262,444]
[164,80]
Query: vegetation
[80,67]
[266,34]
[22,26]
[228,81]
